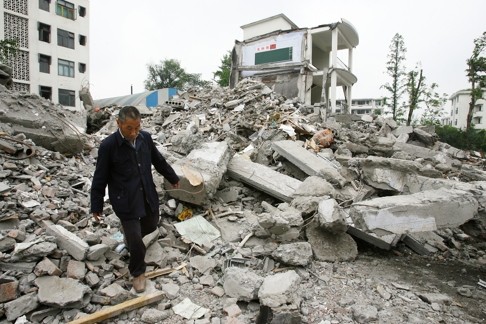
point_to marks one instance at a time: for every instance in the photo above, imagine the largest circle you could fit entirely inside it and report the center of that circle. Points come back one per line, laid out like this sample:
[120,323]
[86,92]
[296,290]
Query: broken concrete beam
[420,212]
[200,173]
[263,178]
[309,162]
[68,241]
[419,246]
[369,238]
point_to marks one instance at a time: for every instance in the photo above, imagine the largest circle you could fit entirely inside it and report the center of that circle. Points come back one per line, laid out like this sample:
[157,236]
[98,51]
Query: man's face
[129,128]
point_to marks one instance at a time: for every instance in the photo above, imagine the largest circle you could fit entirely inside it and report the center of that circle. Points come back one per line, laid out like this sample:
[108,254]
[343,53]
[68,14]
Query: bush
[471,139]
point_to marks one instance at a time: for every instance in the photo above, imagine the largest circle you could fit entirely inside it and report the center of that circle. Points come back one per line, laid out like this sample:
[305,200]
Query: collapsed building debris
[273,220]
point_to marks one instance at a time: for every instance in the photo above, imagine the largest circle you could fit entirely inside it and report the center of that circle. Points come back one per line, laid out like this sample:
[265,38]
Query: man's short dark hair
[130,112]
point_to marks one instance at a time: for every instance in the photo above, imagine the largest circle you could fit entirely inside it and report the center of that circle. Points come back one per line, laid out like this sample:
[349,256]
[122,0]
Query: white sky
[126,36]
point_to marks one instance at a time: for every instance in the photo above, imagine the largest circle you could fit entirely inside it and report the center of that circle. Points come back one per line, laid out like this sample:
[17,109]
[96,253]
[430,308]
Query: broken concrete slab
[420,212]
[309,162]
[62,292]
[263,178]
[389,173]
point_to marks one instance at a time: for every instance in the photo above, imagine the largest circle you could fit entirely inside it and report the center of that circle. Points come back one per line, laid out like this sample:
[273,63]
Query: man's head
[129,122]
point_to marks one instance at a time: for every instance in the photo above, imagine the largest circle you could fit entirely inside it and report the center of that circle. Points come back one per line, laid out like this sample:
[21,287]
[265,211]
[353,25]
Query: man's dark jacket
[128,173]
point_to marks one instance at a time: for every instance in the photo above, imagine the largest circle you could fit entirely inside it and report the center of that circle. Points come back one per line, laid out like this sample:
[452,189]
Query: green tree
[396,70]
[476,74]
[420,95]
[8,50]
[170,74]
[222,75]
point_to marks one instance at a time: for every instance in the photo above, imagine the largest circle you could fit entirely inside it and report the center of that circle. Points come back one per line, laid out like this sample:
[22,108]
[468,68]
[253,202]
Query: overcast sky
[127,35]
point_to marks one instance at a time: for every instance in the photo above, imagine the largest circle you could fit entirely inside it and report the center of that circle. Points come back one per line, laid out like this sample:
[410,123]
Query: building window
[65,38]
[65,68]
[82,40]
[44,33]
[45,92]
[44,4]
[67,98]
[82,11]
[65,9]
[82,67]
[457,110]
[44,63]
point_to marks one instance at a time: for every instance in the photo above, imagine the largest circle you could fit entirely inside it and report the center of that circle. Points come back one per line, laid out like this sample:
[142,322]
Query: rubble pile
[267,229]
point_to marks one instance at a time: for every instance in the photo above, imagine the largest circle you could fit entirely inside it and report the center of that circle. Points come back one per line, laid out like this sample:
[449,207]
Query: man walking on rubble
[124,163]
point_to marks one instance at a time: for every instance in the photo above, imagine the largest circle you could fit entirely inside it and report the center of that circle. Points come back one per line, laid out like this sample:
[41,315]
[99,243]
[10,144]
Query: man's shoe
[139,283]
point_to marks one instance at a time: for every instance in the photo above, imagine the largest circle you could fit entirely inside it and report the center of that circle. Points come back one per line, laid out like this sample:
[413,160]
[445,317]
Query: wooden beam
[120,308]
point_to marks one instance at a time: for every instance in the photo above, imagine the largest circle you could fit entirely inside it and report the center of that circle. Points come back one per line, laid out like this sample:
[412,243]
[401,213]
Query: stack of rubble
[266,197]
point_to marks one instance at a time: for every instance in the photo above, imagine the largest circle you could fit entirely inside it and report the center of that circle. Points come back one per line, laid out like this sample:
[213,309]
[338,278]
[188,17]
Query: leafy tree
[476,74]
[420,93]
[222,75]
[8,49]
[170,74]
[396,70]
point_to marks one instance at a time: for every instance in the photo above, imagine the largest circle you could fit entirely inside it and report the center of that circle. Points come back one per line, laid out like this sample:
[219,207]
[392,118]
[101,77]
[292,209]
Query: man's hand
[97,216]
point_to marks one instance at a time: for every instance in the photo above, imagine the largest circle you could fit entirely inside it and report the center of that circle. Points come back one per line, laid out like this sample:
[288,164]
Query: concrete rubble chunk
[68,241]
[420,212]
[200,173]
[8,289]
[47,267]
[241,283]
[280,289]
[330,246]
[330,216]
[62,292]
[21,306]
[296,254]
[32,251]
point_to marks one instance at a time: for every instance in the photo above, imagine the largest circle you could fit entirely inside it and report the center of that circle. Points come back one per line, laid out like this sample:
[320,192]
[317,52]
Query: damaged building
[305,63]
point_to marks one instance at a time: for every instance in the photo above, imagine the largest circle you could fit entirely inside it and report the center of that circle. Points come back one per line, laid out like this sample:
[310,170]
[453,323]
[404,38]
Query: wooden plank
[120,308]
[263,178]
[164,271]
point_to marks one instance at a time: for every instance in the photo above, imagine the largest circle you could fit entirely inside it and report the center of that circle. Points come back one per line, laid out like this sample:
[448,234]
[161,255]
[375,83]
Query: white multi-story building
[53,56]
[362,106]
[460,107]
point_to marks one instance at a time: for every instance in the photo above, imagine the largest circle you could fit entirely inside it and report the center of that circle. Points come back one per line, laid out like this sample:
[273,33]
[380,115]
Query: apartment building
[53,38]
[460,107]
[361,106]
